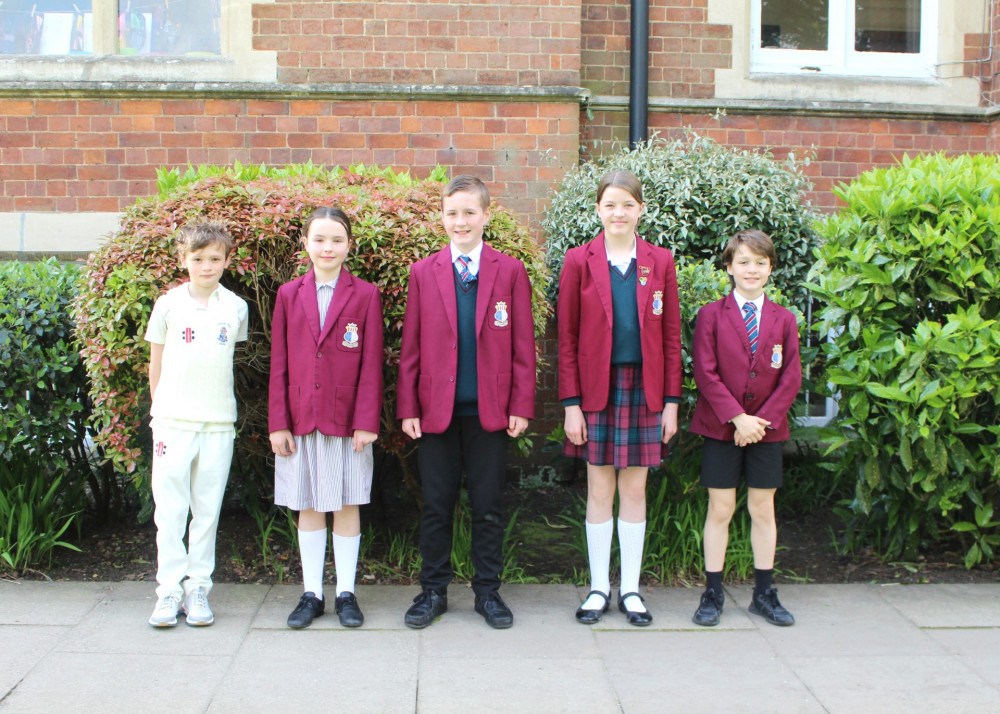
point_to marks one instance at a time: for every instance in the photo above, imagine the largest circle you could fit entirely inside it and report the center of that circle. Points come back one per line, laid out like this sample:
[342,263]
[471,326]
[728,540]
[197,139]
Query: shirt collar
[328,284]
[474,256]
[741,301]
[631,256]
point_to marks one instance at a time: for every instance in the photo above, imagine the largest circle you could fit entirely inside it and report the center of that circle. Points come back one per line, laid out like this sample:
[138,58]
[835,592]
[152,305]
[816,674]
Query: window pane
[887,26]
[794,24]
[50,27]
[168,27]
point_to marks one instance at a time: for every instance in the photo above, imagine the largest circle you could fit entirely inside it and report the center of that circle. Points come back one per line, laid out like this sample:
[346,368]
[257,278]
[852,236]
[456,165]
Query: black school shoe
[639,619]
[426,606]
[348,611]
[492,607]
[592,617]
[767,606]
[709,609]
[309,608]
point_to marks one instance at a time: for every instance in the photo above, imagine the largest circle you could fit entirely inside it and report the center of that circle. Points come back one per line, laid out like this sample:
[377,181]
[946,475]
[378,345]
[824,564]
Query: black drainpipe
[638,99]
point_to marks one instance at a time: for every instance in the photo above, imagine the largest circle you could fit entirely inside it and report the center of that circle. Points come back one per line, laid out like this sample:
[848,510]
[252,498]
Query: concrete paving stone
[896,683]
[836,620]
[382,606]
[315,670]
[672,609]
[21,648]
[31,603]
[119,623]
[101,683]
[710,670]
[935,605]
[976,648]
[520,685]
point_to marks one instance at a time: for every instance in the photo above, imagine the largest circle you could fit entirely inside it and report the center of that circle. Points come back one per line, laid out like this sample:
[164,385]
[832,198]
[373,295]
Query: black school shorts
[724,464]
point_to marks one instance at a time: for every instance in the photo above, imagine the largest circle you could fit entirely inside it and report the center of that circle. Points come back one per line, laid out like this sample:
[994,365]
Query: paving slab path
[86,647]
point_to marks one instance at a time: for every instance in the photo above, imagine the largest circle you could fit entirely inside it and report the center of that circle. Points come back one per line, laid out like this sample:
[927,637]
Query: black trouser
[482,455]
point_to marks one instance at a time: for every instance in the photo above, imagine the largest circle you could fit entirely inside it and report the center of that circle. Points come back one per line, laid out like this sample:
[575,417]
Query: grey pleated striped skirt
[325,474]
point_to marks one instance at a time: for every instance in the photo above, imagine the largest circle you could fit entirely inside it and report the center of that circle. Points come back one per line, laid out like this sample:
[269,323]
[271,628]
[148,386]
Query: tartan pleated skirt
[627,432]
[325,474]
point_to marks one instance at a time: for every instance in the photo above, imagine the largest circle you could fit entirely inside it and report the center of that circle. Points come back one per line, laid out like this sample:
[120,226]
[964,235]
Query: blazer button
[317,386]
[753,375]
[451,379]
[320,354]
[454,347]
[749,397]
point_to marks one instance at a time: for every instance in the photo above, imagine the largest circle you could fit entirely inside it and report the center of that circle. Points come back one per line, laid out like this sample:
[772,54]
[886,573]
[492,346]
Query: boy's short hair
[199,235]
[756,241]
[472,184]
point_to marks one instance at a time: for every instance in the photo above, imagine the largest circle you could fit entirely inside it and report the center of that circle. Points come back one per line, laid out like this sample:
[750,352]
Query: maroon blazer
[731,382]
[505,348]
[329,380]
[585,318]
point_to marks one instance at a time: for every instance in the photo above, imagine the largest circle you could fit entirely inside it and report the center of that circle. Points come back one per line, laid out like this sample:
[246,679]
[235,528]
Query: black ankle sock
[762,580]
[713,581]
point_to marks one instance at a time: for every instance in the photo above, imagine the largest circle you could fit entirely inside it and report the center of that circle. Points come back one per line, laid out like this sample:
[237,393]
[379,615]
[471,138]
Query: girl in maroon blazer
[324,408]
[746,365]
[619,381]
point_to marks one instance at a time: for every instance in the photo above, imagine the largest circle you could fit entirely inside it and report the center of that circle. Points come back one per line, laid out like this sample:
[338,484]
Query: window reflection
[794,24]
[49,27]
[169,27]
[887,26]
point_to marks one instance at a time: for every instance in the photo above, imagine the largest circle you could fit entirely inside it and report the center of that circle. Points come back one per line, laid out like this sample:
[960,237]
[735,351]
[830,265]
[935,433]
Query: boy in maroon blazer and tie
[746,366]
[466,386]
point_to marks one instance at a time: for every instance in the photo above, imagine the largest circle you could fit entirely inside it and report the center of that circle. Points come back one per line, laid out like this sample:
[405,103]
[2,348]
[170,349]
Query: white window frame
[840,57]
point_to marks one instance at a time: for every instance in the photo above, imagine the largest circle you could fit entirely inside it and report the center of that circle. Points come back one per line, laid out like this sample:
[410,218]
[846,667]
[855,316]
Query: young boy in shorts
[466,386]
[746,366]
[192,334]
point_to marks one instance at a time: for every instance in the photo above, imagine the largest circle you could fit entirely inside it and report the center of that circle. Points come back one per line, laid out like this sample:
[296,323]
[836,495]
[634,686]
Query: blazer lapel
[643,261]
[735,319]
[487,276]
[306,296]
[599,273]
[341,294]
[444,273]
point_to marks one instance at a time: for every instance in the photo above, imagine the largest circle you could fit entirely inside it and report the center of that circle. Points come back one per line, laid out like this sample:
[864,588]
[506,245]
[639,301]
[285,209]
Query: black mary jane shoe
[348,611]
[592,617]
[639,619]
[309,608]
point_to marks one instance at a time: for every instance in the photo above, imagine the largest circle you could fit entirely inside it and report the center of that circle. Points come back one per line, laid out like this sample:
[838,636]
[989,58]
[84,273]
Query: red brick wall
[87,155]
[684,50]
[423,41]
[842,147]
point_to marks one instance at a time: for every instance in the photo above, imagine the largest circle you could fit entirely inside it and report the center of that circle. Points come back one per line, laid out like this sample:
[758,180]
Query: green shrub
[698,194]
[910,280]
[395,221]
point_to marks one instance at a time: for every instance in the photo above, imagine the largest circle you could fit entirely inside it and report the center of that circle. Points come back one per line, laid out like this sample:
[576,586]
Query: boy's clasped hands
[749,429]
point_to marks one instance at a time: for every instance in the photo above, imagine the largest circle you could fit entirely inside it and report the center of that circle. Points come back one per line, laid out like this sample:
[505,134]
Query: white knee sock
[630,542]
[345,560]
[599,553]
[312,550]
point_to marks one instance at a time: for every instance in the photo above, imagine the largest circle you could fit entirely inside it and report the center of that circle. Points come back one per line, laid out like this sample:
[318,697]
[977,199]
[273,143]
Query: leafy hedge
[910,279]
[395,221]
[698,194]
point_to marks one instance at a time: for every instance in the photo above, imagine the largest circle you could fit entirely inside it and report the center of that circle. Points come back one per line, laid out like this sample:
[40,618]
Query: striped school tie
[750,322]
[463,270]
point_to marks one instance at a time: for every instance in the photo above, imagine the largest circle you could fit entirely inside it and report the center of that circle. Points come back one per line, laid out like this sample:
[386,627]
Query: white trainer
[166,611]
[196,609]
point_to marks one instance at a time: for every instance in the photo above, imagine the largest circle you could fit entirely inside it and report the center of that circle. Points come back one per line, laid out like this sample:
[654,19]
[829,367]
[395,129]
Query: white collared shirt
[758,303]
[621,263]
[474,256]
[324,298]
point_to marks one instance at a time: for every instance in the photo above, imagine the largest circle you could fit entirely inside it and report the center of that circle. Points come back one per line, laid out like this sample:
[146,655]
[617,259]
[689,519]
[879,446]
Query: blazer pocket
[498,316]
[349,334]
[503,392]
[295,403]
[343,409]
[424,394]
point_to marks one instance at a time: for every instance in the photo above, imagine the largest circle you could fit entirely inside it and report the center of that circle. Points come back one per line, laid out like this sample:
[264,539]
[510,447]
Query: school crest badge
[223,337]
[657,302]
[351,335]
[776,357]
[500,314]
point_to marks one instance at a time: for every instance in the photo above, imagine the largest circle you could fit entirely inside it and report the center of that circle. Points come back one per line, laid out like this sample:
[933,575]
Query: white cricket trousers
[190,470]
